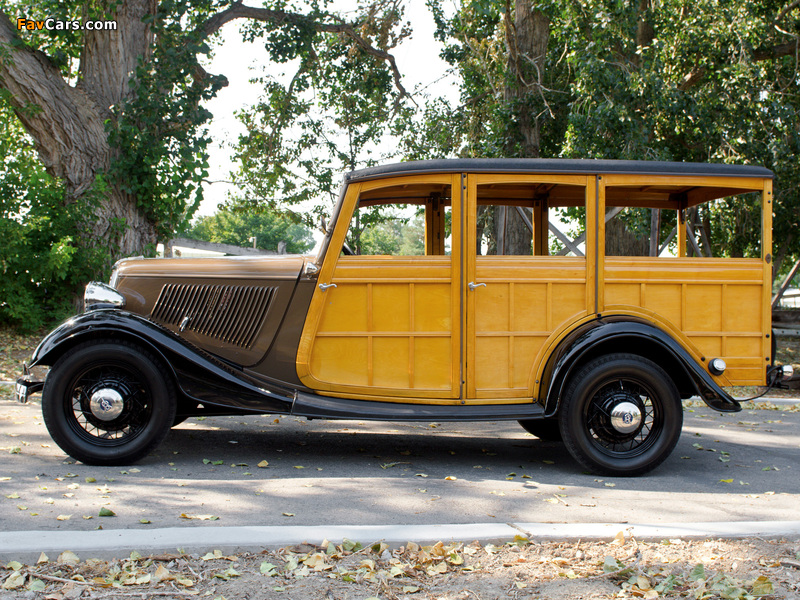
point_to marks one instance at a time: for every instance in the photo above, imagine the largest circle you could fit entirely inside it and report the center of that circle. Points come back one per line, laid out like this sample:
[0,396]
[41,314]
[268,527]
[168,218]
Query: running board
[313,406]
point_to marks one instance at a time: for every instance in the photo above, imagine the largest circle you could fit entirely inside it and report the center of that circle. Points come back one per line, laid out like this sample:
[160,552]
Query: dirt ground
[621,568]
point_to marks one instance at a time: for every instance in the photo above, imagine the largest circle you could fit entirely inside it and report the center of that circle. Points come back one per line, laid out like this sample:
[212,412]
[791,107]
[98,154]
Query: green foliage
[328,118]
[42,262]
[670,81]
[393,236]
[161,156]
[230,226]
[698,90]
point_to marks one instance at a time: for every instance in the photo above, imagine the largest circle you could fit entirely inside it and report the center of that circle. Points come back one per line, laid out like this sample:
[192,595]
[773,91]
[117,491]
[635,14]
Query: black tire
[631,444]
[108,403]
[544,429]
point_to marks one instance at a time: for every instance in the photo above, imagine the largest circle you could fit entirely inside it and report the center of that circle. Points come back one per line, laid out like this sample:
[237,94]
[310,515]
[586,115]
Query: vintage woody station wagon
[555,330]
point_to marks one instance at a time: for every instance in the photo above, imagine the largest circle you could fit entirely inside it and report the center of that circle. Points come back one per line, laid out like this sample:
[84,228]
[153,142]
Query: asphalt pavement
[215,474]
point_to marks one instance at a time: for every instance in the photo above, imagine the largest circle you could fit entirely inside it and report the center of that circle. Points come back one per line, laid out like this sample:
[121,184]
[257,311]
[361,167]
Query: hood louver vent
[230,313]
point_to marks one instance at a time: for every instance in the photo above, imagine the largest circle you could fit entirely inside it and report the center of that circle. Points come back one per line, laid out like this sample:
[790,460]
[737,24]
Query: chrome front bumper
[27,385]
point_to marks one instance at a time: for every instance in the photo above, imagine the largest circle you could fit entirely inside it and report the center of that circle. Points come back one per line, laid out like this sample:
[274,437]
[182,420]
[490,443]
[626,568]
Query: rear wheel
[108,402]
[544,429]
[621,415]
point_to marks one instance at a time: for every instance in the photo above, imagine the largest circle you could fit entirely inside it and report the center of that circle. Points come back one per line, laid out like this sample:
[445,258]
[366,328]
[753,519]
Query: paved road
[741,467]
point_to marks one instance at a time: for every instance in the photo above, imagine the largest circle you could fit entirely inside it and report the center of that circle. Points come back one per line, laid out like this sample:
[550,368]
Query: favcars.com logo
[61,25]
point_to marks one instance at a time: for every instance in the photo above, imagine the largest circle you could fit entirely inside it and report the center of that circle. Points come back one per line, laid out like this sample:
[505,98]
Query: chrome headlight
[100,295]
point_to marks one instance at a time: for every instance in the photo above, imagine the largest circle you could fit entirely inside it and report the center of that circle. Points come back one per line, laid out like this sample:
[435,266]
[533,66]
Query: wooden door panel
[387,329]
[525,300]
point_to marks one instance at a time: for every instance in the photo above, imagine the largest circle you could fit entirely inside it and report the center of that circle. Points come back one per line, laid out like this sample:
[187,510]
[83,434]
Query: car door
[385,321]
[523,283]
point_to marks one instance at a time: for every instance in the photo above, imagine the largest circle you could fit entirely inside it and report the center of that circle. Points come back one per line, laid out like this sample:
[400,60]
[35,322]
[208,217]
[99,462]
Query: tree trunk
[621,242]
[527,35]
[68,122]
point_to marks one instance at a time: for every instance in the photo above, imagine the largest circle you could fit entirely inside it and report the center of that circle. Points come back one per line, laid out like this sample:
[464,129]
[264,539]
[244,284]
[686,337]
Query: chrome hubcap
[106,404]
[626,417]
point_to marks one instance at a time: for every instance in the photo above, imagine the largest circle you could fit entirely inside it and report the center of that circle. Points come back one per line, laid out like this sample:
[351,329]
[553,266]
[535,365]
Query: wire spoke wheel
[108,405]
[621,415]
[108,402]
[624,417]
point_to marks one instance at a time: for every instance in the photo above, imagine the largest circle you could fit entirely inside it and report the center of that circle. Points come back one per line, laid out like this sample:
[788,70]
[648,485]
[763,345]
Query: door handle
[325,286]
[472,285]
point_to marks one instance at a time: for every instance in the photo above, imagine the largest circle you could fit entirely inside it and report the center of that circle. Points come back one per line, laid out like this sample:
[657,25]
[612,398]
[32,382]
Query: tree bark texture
[67,122]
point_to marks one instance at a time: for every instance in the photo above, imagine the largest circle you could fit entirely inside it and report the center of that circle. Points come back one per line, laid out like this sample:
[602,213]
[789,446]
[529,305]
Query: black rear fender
[615,334]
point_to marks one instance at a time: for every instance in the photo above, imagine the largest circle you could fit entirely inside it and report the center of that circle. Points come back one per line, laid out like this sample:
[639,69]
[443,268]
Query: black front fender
[631,335]
[200,376]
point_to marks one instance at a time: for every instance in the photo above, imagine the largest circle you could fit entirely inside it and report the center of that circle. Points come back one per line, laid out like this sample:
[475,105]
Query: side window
[402,220]
[716,222]
[530,219]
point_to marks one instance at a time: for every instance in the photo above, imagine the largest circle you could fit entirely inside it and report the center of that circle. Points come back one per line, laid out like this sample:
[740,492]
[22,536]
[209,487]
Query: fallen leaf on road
[393,464]
[263,464]
[200,517]
[105,512]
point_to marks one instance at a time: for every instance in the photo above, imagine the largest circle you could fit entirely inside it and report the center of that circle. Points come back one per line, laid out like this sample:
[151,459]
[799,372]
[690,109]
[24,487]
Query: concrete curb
[25,546]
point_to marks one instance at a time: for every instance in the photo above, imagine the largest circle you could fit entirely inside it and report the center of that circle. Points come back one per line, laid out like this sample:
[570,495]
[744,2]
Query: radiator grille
[230,313]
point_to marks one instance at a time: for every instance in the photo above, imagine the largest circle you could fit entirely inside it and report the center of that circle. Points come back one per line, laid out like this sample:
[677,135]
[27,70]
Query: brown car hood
[232,307]
[226,267]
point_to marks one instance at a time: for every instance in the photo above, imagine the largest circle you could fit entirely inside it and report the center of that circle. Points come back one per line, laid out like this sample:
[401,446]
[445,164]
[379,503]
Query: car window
[530,219]
[642,220]
[402,220]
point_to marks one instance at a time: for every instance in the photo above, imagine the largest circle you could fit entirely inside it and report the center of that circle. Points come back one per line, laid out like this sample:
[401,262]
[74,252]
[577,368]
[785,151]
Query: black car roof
[556,165]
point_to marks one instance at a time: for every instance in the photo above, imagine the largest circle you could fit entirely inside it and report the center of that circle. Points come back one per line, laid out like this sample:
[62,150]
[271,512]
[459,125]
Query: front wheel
[108,402]
[621,415]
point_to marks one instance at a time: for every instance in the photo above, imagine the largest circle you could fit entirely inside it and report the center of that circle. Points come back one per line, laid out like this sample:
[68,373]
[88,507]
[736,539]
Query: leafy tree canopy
[238,227]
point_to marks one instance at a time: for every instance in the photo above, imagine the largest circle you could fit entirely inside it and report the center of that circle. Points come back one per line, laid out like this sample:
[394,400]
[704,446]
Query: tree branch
[692,79]
[786,11]
[697,75]
[787,49]
[279,17]
[64,121]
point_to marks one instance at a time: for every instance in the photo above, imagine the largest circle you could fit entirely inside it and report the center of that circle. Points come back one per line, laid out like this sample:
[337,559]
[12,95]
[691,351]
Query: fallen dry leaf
[68,558]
